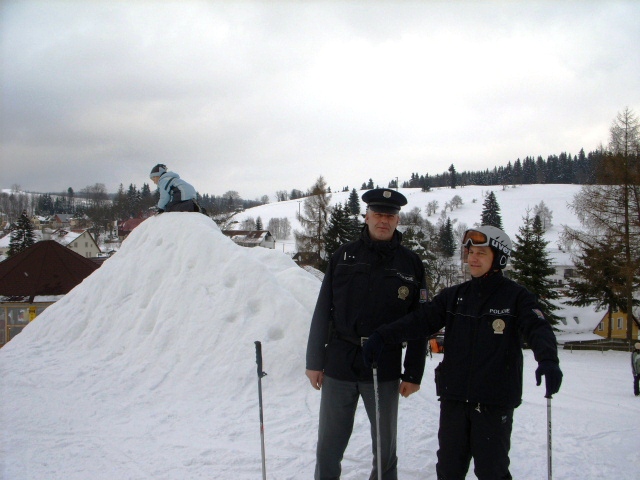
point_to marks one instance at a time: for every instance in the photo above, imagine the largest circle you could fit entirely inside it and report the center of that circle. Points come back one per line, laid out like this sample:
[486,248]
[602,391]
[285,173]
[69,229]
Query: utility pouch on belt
[438,379]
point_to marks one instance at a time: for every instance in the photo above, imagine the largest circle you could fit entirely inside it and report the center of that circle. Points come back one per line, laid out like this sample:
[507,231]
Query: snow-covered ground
[146,371]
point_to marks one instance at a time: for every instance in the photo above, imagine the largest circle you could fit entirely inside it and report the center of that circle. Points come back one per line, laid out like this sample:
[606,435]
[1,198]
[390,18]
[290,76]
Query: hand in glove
[372,349]
[552,376]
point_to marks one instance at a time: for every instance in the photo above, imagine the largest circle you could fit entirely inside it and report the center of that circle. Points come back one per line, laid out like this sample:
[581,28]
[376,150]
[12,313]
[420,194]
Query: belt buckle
[362,340]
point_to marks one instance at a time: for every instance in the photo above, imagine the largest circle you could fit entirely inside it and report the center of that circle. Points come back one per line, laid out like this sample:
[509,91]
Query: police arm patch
[538,314]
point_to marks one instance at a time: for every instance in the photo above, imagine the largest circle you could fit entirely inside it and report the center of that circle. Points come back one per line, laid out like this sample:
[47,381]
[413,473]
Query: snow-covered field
[147,371]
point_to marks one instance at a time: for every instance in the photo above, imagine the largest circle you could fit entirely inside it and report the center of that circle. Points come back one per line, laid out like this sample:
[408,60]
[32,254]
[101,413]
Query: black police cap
[384,200]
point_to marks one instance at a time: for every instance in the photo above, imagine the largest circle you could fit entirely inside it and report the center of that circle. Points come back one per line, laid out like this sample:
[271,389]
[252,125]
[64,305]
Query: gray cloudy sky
[265,96]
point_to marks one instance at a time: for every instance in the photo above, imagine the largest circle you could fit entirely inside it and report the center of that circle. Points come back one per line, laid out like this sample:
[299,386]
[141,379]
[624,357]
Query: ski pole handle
[259,359]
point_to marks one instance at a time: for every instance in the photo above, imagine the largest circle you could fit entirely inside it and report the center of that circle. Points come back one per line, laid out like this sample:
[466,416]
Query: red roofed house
[35,278]
[126,227]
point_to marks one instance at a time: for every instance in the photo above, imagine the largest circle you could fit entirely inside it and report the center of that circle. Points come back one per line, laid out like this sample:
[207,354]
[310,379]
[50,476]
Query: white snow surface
[147,370]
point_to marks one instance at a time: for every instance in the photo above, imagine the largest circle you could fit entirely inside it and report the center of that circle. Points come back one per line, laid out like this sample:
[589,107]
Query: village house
[79,241]
[618,326]
[61,220]
[254,238]
[126,227]
[34,279]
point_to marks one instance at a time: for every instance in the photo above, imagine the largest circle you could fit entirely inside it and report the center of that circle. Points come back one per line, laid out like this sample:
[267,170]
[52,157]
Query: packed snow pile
[157,343]
[147,371]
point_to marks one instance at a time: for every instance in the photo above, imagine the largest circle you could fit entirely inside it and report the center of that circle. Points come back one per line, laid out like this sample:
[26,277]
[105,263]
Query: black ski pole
[549,445]
[377,402]
[260,375]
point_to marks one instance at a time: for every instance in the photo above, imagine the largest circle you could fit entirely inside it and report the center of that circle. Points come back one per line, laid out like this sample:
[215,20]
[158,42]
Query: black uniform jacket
[486,319]
[366,285]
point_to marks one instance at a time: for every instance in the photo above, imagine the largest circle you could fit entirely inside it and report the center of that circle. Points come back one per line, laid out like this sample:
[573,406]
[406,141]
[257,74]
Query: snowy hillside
[513,201]
[146,371]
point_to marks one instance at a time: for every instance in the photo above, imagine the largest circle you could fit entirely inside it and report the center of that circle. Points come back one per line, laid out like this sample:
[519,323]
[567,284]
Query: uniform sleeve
[320,324]
[416,353]
[422,322]
[535,328]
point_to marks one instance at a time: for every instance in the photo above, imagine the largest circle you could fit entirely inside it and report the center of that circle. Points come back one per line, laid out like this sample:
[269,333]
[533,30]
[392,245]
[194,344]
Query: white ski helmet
[489,236]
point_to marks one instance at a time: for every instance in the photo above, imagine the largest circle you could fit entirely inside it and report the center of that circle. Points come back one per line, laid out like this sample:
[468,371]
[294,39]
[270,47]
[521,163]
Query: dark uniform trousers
[472,430]
[337,411]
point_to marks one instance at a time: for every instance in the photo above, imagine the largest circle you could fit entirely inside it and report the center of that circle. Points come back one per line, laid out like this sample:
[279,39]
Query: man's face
[155,180]
[480,260]
[381,225]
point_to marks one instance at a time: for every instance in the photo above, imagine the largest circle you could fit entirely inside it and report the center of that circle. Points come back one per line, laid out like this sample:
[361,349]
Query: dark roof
[246,233]
[130,224]
[46,268]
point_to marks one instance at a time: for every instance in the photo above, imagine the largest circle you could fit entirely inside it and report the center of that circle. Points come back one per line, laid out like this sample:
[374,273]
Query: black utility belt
[359,341]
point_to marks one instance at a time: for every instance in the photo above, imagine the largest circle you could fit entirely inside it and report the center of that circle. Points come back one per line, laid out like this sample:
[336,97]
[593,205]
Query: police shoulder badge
[403,293]
[498,326]
[538,313]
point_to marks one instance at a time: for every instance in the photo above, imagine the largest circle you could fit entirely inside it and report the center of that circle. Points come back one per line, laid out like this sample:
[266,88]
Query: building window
[14,319]
[17,318]
[601,327]
[619,323]
[3,326]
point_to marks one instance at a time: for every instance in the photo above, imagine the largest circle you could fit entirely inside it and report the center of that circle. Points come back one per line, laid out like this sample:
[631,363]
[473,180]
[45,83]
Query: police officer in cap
[369,282]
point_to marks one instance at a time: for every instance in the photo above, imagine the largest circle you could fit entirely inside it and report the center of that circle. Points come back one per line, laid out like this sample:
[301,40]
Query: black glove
[552,376]
[159,211]
[372,349]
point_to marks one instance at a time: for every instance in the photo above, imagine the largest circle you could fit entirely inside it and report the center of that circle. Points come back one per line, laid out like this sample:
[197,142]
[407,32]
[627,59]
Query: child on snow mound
[176,195]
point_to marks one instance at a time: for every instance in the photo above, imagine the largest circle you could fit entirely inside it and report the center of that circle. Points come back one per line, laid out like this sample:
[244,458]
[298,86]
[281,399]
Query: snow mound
[164,332]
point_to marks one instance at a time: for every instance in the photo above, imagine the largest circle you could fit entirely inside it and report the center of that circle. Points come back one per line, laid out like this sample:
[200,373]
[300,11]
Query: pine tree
[532,265]
[491,211]
[70,208]
[354,203]
[338,231]
[259,224]
[45,205]
[133,201]
[446,241]
[22,236]
[599,279]
[453,179]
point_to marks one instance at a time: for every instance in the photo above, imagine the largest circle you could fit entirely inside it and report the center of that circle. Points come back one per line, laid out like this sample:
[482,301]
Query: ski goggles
[475,238]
